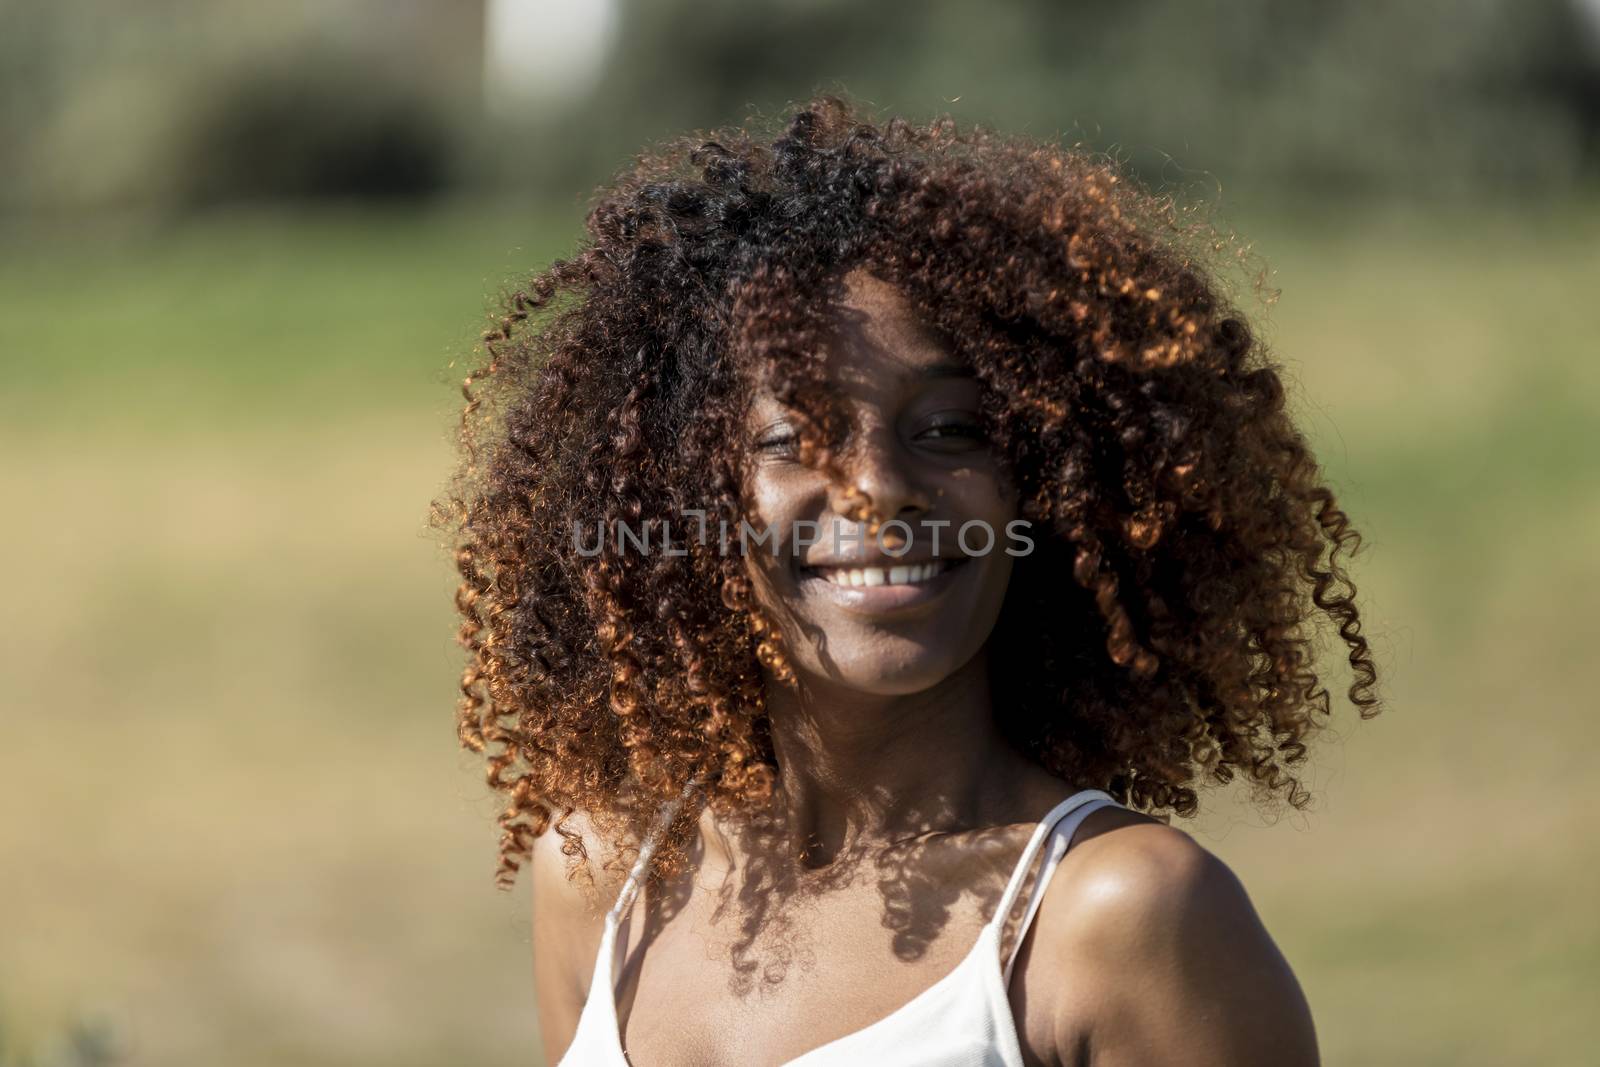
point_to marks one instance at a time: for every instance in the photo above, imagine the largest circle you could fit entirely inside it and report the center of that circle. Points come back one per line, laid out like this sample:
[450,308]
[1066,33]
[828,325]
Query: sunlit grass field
[235,826]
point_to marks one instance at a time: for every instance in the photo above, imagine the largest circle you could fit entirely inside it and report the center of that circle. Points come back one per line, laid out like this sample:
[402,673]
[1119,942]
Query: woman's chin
[892,669]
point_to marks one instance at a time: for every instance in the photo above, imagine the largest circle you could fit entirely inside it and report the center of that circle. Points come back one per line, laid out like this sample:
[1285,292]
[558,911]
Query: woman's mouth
[878,590]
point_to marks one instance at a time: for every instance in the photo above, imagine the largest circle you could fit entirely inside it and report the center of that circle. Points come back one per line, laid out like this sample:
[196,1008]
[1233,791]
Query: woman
[869,539]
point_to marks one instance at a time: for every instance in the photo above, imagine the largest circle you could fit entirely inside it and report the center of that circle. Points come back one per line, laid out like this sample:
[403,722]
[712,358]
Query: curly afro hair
[1164,631]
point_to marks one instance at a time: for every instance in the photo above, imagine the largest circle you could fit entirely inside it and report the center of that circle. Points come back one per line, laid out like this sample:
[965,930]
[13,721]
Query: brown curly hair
[1166,626]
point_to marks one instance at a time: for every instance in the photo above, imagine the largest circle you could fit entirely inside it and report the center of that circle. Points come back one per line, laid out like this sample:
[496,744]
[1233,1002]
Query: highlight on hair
[1163,633]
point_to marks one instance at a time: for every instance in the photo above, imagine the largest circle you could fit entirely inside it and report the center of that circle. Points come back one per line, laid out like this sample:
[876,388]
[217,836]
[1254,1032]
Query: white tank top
[962,1020]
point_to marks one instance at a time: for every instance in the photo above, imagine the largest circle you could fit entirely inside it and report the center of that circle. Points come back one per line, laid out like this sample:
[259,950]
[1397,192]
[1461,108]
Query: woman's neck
[859,771]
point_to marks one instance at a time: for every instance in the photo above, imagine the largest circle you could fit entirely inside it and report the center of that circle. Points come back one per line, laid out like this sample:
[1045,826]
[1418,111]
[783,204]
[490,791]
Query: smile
[900,574]
[884,591]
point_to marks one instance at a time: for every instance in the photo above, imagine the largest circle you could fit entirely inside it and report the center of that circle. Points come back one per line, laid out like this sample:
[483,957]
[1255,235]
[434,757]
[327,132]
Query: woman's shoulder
[1182,964]
[1122,860]
[568,923]
[581,891]
[569,899]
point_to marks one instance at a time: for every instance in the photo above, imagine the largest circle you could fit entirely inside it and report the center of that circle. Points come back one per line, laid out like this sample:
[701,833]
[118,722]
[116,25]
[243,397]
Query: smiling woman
[1035,537]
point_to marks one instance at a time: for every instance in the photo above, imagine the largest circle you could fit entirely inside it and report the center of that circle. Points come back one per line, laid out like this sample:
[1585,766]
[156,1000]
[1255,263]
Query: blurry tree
[317,124]
[1426,97]
[173,101]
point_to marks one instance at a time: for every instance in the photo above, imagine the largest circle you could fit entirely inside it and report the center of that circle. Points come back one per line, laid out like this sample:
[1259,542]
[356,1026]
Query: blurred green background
[245,251]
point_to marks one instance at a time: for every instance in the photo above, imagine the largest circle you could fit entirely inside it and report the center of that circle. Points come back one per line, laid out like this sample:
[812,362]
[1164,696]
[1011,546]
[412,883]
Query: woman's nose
[878,467]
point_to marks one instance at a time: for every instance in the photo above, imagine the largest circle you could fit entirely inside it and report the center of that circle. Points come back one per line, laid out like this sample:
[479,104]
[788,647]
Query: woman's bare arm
[1183,969]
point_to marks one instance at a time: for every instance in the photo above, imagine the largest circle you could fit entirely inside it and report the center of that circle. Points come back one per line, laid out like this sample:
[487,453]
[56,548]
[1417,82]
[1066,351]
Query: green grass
[258,315]
[233,818]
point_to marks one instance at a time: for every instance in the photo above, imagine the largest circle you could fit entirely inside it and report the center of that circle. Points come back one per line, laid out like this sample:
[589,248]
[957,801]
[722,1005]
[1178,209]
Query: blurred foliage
[319,126]
[174,103]
[1429,96]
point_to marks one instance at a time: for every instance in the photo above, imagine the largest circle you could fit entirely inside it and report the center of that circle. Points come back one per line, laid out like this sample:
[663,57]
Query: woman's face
[899,611]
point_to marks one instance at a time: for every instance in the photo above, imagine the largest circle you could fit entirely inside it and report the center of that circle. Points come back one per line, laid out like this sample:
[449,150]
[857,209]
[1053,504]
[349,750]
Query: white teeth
[905,574]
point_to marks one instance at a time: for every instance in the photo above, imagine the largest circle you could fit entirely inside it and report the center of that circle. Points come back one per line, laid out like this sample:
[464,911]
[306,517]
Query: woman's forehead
[878,334]
[876,345]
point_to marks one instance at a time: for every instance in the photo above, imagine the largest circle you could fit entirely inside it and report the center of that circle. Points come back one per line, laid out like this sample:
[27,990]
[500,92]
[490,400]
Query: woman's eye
[954,432]
[777,445]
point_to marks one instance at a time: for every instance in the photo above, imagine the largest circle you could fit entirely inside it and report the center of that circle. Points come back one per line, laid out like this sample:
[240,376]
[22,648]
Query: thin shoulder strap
[1057,827]
[647,849]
